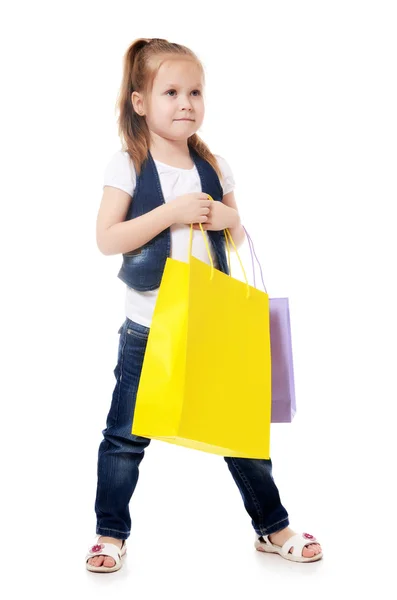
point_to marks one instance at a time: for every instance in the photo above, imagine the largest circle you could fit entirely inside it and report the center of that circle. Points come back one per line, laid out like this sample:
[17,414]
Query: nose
[185,103]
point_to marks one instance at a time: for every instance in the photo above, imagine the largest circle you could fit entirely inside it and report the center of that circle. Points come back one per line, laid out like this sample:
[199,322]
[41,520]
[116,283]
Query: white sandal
[100,549]
[298,541]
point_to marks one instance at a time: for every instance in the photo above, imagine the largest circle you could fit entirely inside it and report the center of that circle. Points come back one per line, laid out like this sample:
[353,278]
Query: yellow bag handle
[227,235]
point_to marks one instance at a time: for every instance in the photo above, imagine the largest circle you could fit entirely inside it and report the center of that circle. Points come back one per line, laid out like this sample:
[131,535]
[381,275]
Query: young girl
[153,191]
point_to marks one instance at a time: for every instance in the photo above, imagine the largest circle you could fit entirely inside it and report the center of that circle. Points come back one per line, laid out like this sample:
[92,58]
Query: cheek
[165,110]
[160,116]
[200,109]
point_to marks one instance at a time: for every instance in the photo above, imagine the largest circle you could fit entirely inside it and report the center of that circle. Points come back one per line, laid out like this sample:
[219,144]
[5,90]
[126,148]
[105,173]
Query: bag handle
[252,250]
[227,235]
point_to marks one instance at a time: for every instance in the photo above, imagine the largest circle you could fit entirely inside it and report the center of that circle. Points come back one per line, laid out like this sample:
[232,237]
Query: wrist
[236,221]
[170,213]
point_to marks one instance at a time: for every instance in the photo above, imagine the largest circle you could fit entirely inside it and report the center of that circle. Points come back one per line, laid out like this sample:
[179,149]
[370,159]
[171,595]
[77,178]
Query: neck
[162,148]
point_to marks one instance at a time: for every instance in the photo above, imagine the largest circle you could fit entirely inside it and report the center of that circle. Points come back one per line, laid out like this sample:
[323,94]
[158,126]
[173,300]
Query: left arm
[237,231]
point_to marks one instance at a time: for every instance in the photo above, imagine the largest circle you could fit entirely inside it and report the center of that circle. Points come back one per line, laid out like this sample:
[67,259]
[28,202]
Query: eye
[172,92]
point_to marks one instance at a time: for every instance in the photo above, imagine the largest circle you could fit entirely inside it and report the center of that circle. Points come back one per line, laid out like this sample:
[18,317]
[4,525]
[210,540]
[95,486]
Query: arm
[116,236]
[237,231]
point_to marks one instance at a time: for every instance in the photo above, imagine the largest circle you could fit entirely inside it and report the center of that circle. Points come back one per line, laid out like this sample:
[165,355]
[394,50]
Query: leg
[260,495]
[261,499]
[120,452]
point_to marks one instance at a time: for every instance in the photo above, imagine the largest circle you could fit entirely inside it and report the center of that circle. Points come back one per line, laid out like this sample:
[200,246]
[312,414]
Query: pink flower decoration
[308,536]
[97,548]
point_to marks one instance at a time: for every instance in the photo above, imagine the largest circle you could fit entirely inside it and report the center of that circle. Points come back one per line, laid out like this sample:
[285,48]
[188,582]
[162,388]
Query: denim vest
[142,269]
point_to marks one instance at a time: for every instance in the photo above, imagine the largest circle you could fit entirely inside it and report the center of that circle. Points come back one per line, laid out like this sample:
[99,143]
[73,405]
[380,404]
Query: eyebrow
[176,85]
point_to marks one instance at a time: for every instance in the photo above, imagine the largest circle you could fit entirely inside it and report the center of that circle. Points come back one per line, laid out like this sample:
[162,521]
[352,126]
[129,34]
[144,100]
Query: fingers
[205,200]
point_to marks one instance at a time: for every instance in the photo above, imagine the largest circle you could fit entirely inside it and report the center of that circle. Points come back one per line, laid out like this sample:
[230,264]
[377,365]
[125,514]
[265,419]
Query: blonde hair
[141,63]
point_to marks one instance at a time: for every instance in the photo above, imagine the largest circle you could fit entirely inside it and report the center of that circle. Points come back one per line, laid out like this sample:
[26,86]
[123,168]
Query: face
[175,107]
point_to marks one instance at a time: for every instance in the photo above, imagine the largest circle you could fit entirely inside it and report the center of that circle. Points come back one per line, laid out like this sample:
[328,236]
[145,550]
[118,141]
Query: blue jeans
[120,454]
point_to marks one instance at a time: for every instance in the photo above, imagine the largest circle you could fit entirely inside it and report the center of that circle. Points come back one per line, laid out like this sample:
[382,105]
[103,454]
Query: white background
[301,100]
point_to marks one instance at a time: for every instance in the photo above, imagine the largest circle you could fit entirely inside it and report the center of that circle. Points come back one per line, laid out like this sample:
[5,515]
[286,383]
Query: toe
[308,552]
[109,562]
[99,561]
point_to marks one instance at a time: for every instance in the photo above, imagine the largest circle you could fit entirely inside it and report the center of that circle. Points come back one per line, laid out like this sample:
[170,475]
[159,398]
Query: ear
[138,103]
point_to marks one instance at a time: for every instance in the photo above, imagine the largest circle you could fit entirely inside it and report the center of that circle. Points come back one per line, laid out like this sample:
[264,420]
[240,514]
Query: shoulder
[227,180]
[120,172]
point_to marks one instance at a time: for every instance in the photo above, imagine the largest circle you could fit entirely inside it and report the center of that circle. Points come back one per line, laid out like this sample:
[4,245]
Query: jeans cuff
[119,535]
[272,528]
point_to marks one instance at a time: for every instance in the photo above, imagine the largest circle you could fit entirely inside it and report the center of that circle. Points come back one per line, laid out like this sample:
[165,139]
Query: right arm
[114,235]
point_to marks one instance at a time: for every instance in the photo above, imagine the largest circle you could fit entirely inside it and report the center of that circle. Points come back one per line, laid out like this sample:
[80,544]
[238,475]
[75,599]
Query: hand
[190,208]
[220,217]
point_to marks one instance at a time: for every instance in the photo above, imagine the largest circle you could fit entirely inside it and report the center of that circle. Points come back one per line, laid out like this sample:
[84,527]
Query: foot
[105,561]
[280,537]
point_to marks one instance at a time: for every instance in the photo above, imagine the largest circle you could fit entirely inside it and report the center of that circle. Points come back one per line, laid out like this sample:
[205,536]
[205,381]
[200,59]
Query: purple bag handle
[252,250]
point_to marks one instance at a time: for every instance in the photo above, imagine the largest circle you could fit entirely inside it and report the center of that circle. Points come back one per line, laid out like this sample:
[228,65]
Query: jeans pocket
[136,330]
[138,334]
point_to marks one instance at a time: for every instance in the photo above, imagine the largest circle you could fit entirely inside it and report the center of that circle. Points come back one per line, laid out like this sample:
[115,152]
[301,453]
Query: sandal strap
[105,549]
[298,541]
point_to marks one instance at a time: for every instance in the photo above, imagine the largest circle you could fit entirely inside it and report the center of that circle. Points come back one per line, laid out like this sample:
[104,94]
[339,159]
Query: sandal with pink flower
[298,541]
[106,550]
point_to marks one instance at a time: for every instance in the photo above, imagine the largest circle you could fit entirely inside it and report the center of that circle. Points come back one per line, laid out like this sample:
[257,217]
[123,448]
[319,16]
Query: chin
[180,138]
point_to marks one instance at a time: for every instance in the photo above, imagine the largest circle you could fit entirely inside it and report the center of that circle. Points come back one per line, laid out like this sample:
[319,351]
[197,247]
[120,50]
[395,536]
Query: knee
[124,441]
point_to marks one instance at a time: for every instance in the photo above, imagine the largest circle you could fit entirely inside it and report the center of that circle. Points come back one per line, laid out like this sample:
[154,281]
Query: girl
[153,191]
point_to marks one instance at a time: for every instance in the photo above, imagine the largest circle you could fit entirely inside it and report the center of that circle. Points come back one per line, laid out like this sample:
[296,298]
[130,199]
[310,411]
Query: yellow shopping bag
[206,377]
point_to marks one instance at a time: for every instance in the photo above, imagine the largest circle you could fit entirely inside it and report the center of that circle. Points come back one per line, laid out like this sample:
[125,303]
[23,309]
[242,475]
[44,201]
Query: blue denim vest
[142,269]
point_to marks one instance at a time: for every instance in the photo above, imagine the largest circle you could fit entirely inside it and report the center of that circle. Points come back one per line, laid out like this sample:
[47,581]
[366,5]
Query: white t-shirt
[120,173]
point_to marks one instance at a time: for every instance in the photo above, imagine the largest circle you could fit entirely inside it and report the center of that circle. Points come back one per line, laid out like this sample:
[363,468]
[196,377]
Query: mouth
[183,119]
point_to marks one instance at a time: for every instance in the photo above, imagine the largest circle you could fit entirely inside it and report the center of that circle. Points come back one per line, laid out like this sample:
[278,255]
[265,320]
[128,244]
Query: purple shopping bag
[283,383]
